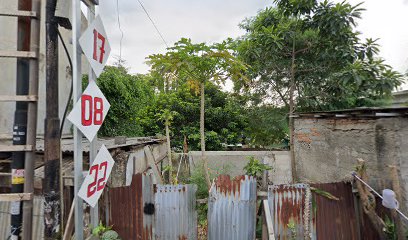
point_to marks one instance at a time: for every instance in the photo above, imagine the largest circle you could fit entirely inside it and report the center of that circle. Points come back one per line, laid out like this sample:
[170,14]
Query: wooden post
[368,200]
[397,189]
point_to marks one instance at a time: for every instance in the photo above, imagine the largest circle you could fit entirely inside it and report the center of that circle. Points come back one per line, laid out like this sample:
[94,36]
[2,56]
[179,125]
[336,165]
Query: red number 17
[97,36]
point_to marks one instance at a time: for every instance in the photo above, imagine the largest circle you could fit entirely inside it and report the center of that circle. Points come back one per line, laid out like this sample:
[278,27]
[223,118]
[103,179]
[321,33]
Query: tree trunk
[166,123]
[291,111]
[202,134]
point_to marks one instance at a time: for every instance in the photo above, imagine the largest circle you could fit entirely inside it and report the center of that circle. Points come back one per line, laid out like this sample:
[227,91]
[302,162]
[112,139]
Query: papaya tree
[194,64]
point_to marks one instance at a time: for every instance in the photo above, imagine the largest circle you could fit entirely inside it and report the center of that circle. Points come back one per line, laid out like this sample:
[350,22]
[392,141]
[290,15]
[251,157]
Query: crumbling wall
[326,149]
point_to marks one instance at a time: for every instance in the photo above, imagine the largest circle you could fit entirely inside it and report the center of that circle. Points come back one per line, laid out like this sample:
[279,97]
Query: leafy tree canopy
[333,68]
[225,121]
[128,95]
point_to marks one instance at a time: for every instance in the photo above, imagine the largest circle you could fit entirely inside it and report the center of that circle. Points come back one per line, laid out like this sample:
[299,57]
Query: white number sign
[90,111]
[97,177]
[95,45]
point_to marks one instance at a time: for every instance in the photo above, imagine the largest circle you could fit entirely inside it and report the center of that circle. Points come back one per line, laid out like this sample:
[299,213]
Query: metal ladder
[32,100]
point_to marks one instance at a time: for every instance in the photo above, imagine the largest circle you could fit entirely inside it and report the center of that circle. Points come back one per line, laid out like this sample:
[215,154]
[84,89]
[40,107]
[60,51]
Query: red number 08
[94,115]
[97,36]
[97,184]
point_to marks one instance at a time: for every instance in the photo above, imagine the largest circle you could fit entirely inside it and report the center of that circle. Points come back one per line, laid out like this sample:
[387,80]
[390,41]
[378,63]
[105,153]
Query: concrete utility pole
[52,144]
[20,118]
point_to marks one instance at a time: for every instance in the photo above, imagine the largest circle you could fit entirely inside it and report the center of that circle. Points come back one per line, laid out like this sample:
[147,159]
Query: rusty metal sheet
[335,219]
[232,208]
[127,205]
[175,212]
[287,205]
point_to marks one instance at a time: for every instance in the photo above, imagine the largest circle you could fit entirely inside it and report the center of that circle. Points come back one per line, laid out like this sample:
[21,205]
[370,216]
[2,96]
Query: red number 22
[97,184]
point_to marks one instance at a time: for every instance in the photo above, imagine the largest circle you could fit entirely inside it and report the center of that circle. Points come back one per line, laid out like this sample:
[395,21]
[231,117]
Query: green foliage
[198,178]
[110,235]
[324,193]
[127,94]
[292,228]
[390,229]
[267,125]
[225,121]
[100,229]
[194,63]
[255,168]
[333,68]
[105,232]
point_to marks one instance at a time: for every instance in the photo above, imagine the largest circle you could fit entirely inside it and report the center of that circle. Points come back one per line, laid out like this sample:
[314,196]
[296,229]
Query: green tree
[225,122]
[196,64]
[127,94]
[307,55]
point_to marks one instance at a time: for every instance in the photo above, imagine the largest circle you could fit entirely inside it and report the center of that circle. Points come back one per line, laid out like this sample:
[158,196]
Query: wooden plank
[69,228]
[18,54]
[268,219]
[16,148]
[18,13]
[18,98]
[6,136]
[152,164]
[12,197]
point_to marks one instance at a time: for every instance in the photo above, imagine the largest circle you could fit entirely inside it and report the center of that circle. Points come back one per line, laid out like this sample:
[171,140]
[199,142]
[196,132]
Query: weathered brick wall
[326,149]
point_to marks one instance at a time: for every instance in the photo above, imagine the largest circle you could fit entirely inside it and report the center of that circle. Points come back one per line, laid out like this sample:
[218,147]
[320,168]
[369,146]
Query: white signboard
[95,45]
[97,177]
[90,111]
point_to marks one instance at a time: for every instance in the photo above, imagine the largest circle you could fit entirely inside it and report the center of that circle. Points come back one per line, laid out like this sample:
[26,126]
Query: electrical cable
[151,20]
[72,83]
[121,38]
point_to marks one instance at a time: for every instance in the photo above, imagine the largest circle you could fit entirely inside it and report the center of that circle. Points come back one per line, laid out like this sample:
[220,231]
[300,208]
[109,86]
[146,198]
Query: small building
[327,145]
[400,99]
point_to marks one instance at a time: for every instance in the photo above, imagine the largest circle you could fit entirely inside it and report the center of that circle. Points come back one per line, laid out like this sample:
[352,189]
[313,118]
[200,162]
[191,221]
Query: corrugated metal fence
[38,220]
[331,219]
[132,208]
[140,212]
[176,215]
[289,204]
[335,219]
[232,209]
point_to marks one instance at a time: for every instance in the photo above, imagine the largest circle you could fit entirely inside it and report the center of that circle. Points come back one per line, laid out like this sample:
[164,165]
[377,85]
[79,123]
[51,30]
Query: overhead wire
[120,29]
[154,24]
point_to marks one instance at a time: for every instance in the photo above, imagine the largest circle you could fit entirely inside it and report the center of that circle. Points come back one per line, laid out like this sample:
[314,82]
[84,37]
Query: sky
[214,20]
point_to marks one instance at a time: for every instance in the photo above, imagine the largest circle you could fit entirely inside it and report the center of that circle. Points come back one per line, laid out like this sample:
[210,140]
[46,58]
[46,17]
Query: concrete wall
[326,149]
[8,41]
[235,161]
